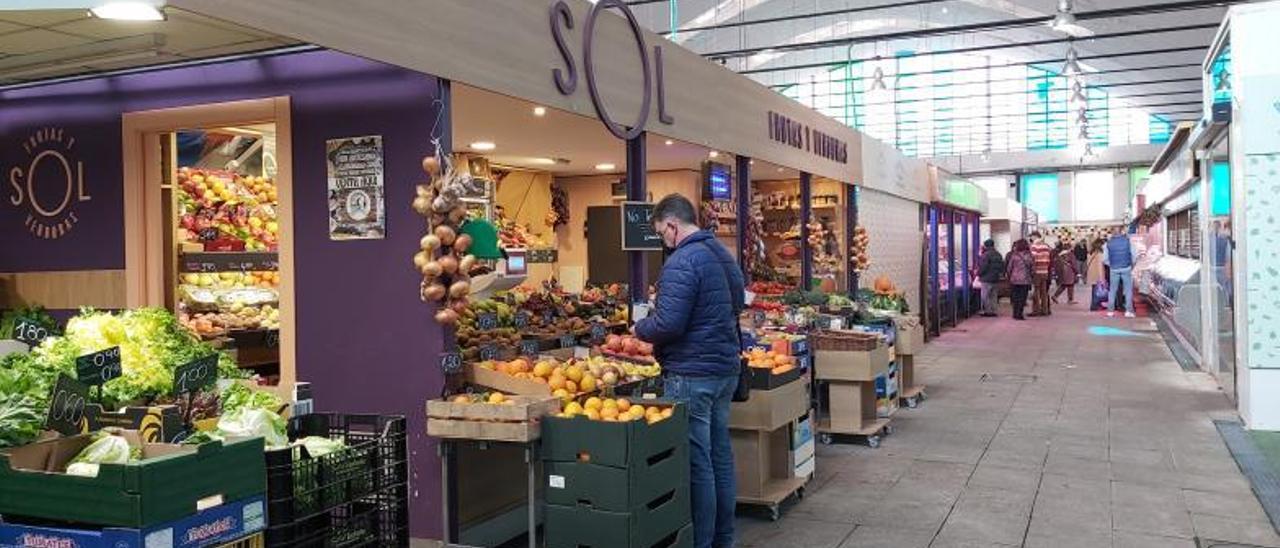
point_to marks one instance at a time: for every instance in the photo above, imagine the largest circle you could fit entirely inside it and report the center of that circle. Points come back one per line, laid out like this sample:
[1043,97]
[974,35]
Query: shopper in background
[1081,252]
[1119,256]
[990,271]
[1019,271]
[1041,254]
[1095,275]
[1066,272]
[693,329]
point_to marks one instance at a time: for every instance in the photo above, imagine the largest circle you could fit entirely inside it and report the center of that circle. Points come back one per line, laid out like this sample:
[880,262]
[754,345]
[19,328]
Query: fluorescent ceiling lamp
[128,10]
[539,111]
[669,142]
[542,161]
[483,145]
[1065,22]
[605,167]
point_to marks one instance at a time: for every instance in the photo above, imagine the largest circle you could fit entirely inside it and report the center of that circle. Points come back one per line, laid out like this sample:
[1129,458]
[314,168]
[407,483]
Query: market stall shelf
[518,421]
[768,447]
[912,393]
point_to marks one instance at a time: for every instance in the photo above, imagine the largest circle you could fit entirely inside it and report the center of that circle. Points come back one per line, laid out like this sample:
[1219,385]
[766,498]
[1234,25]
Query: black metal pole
[637,176]
[851,223]
[742,194]
[806,212]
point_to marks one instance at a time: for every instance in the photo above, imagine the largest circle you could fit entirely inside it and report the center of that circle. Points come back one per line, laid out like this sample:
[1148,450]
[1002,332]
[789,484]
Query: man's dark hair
[675,206]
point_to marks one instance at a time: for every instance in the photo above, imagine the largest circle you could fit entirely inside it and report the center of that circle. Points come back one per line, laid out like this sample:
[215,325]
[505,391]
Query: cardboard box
[170,483]
[806,468]
[620,444]
[802,431]
[616,489]
[855,366]
[910,341]
[213,527]
[760,458]
[661,524]
[852,404]
[804,452]
[771,409]
[908,374]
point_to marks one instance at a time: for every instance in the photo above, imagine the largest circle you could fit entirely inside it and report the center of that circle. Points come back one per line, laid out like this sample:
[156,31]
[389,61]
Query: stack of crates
[182,497]
[356,496]
[617,484]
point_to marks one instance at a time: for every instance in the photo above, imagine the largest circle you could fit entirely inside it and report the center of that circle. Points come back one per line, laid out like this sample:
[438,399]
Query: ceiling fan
[1065,22]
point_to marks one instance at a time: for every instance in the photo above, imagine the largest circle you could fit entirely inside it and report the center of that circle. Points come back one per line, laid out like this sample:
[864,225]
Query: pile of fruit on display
[860,252]
[218,206]
[443,259]
[768,288]
[627,347]
[514,235]
[483,398]
[213,304]
[152,344]
[615,410]
[776,363]
[573,377]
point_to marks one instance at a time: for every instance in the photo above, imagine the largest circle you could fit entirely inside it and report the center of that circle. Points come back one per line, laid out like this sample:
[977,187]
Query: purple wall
[365,341]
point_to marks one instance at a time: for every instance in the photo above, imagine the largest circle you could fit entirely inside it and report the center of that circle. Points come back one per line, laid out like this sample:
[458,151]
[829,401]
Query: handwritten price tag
[568,341]
[522,320]
[99,367]
[450,362]
[66,406]
[30,332]
[487,321]
[197,375]
[529,348]
[490,351]
[597,333]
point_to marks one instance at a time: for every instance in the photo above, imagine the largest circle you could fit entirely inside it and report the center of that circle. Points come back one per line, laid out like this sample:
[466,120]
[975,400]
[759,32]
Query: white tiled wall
[893,224]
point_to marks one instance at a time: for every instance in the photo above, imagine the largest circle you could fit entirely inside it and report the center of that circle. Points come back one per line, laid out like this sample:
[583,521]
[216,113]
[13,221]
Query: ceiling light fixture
[539,111]
[713,154]
[605,167]
[131,10]
[1065,22]
[542,161]
[669,142]
[483,146]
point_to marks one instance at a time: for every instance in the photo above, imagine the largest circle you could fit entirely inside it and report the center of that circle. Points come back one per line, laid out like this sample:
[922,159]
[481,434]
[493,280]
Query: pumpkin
[884,285]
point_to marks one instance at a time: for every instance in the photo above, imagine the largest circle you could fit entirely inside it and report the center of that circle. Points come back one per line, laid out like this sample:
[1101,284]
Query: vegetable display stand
[357,495]
[912,393]
[171,482]
[236,525]
[763,431]
[618,484]
[849,409]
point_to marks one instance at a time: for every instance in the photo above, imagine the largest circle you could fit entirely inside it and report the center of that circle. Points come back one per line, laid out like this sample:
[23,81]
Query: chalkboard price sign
[529,348]
[800,347]
[272,339]
[450,362]
[99,367]
[196,375]
[487,321]
[28,331]
[66,406]
[548,317]
[637,228]
[522,320]
[490,351]
[597,333]
[568,341]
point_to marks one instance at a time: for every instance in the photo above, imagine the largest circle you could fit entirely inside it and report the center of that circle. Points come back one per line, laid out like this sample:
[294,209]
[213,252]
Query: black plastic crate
[357,496]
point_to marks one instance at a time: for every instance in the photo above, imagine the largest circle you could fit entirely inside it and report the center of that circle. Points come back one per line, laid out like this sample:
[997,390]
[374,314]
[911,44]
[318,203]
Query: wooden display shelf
[775,491]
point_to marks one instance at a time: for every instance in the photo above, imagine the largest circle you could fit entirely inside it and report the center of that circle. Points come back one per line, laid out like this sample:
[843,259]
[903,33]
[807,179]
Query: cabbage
[318,446]
[254,423]
[107,449]
[237,395]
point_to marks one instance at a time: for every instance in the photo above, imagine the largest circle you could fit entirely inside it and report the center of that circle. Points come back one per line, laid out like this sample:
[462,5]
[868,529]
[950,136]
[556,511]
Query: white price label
[556,482]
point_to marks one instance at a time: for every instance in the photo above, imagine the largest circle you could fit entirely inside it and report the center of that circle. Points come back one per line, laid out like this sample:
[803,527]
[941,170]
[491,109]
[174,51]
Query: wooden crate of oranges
[492,416]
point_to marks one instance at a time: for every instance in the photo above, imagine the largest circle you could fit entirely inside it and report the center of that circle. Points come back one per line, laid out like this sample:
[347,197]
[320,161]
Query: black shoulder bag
[743,391]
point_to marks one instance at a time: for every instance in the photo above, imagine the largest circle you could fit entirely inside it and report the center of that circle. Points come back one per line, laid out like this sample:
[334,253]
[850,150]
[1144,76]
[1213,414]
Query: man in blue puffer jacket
[694,331]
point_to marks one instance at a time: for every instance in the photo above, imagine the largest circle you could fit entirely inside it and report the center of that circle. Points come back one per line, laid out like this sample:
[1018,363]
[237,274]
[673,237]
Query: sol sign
[567,80]
[49,184]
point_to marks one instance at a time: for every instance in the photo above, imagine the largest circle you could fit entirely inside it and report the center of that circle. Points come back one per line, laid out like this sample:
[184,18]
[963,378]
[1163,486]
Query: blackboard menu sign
[99,367]
[196,375]
[66,406]
[637,227]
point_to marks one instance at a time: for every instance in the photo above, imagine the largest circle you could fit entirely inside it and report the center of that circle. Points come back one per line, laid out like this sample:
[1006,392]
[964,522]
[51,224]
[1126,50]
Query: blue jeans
[711,475]
[1121,275]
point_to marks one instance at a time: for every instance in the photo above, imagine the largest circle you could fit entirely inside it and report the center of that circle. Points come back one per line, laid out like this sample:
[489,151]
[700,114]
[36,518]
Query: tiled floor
[1112,444]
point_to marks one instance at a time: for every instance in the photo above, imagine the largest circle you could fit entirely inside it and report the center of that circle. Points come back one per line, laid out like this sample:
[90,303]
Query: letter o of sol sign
[588,64]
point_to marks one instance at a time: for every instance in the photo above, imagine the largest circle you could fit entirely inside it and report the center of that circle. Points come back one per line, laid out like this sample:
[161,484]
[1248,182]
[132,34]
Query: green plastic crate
[166,487]
[618,444]
[617,489]
[664,523]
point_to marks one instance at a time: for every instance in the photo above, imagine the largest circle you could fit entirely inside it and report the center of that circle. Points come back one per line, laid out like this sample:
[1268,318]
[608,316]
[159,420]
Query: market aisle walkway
[1085,433]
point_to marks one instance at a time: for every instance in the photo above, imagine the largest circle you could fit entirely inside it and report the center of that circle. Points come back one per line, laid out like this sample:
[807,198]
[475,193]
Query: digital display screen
[719,182]
[516,265]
